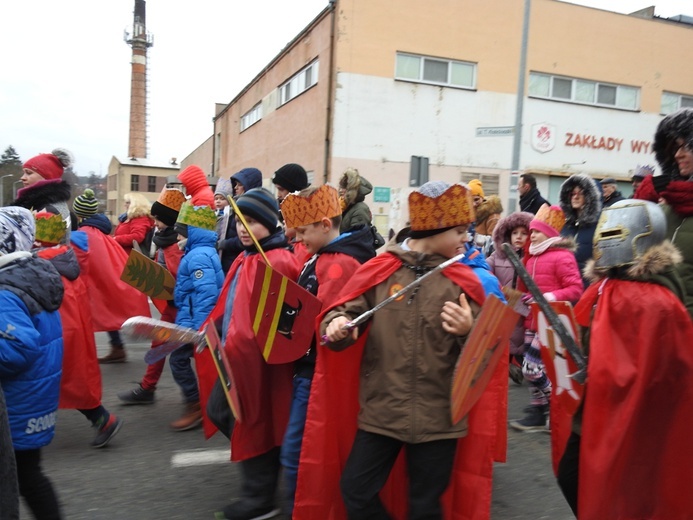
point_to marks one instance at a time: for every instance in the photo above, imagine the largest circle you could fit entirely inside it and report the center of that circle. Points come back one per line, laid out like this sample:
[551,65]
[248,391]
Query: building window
[583,91]
[490,181]
[299,83]
[151,184]
[436,71]
[672,102]
[251,117]
[134,183]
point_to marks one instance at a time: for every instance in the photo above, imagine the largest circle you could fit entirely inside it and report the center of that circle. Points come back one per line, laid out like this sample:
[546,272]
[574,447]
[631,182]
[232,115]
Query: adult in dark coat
[530,198]
[610,193]
[230,246]
[673,148]
[581,202]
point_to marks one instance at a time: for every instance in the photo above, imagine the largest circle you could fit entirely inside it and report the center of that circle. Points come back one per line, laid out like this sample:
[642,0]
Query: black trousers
[372,456]
[35,487]
[568,472]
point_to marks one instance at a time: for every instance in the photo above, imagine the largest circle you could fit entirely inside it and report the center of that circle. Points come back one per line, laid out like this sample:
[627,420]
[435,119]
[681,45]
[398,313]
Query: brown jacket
[408,360]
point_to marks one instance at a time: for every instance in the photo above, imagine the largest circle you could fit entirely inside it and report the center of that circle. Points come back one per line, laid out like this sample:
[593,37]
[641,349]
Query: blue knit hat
[259,204]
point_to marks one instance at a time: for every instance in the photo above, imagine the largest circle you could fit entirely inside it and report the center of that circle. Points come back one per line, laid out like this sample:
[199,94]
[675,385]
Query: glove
[549,297]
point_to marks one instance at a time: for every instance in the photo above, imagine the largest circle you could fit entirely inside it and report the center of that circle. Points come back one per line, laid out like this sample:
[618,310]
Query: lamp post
[2,188]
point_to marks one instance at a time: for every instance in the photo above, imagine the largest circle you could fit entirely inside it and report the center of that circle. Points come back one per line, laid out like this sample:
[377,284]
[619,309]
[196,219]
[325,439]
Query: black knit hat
[86,205]
[260,204]
[165,214]
[292,177]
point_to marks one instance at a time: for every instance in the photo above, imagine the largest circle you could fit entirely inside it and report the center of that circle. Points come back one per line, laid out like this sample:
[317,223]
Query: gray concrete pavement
[143,474]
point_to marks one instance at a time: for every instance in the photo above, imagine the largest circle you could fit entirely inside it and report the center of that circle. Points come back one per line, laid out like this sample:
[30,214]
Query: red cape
[112,300]
[264,390]
[636,459]
[332,422]
[80,384]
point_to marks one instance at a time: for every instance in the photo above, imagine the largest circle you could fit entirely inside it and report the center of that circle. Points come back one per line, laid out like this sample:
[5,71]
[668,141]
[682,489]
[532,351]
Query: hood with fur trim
[505,228]
[41,195]
[658,261]
[678,125]
[356,187]
[593,200]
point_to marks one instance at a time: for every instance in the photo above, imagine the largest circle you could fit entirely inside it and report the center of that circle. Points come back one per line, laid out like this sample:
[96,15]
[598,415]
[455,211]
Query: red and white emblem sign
[543,137]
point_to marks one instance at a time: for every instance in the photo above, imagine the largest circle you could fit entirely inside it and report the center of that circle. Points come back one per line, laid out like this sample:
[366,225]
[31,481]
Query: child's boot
[191,418]
[116,355]
[535,420]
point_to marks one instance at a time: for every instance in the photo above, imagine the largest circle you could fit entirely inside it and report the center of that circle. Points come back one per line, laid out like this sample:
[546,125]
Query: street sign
[494,131]
[381,194]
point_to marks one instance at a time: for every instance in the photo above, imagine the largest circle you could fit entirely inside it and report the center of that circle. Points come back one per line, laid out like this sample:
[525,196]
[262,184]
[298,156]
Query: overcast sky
[66,71]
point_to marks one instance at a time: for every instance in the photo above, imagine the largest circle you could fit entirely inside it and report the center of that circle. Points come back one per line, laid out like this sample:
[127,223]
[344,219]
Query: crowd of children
[358,424]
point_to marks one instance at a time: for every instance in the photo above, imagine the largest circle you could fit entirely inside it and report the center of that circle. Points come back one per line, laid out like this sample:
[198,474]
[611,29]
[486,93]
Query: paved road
[149,472]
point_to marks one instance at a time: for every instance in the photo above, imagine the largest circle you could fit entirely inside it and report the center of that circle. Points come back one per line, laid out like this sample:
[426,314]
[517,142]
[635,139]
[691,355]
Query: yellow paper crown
[50,228]
[172,198]
[302,211]
[453,207]
[200,216]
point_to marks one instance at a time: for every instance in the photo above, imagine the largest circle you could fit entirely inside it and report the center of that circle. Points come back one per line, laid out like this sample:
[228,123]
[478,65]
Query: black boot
[260,478]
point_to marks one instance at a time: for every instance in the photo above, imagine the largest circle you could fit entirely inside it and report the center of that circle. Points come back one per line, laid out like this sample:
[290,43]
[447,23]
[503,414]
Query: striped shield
[283,316]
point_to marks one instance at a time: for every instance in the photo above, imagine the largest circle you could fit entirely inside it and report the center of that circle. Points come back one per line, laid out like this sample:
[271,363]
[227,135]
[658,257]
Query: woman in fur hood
[581,203]
[352,191]
[44,188]
[673,148]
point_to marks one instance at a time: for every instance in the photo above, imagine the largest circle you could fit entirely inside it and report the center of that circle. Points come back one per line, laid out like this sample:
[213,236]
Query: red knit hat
[196,185]
[50,166]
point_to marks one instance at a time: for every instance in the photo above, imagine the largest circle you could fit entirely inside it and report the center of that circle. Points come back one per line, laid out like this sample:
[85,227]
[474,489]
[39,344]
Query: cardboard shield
[487,342]
[284,316]
[224,369]
[148,277]
[558,363]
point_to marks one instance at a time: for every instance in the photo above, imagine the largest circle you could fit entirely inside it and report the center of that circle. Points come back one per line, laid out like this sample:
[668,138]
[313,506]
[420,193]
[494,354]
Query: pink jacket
[556,271]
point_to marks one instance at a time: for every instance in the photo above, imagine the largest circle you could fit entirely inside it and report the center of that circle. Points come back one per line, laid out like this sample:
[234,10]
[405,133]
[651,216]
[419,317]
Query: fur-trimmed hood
[490,206]
[38,197]
[505,227]
[678,125]
[657,260]
[593,200]
[356,187]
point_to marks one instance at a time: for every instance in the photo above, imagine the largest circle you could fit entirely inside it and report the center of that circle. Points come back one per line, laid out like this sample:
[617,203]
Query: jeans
[429,465]
[35,487]
[293,438]
[183,373]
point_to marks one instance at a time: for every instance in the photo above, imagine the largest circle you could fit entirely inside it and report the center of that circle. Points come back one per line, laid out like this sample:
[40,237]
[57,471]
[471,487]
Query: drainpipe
[328,114]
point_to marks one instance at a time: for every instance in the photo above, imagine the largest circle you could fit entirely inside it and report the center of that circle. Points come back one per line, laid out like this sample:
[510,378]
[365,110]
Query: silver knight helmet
[625,231]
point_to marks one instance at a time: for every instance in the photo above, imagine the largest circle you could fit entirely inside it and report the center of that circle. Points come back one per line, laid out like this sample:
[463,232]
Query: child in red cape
[629,455]
[406,355]
[264,390]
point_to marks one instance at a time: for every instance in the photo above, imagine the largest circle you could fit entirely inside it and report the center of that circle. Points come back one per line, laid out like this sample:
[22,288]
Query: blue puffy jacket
[199,278]
[31,347]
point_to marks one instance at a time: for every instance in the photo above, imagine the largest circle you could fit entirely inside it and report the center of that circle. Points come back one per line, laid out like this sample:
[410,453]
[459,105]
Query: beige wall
[294,132]
[565,39]
[201,156]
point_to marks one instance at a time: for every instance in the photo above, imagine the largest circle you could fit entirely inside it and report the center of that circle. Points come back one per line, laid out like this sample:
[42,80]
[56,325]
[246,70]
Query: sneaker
[237,511]
[535,420]
[137,396]
[116,355]
[107,432]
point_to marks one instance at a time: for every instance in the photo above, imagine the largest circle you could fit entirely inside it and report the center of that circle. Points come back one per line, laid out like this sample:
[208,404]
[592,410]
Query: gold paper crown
[453,207]
[302,211]
[50,228]
[172,198]
[200,217]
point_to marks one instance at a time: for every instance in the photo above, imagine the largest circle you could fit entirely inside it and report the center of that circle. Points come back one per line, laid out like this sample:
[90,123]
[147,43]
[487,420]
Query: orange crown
[302,211]
[453,207]
[172,198]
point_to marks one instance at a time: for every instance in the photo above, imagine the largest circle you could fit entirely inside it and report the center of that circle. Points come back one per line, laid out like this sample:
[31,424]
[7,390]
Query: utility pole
[519,107]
